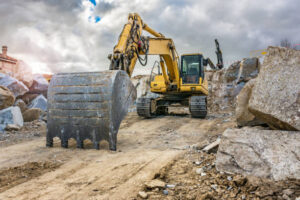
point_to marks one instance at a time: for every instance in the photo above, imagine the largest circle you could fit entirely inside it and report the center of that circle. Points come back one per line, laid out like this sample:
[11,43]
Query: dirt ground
[165,147]
[183,182]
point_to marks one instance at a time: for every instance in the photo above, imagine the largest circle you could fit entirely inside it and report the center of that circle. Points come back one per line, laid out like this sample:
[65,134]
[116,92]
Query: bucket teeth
[96,145]
[88,106]
[64,143]
[79,144]
[49,141]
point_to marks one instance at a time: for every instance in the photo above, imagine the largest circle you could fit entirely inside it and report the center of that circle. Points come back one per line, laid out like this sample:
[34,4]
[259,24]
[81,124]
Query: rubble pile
[273,100]
[226,84]
[194,176]
[21,100]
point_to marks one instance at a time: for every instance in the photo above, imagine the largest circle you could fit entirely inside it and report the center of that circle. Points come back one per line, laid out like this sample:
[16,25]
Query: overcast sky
[75,35]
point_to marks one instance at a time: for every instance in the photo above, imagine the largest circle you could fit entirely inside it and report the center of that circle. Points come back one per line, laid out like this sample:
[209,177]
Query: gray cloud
[57,35]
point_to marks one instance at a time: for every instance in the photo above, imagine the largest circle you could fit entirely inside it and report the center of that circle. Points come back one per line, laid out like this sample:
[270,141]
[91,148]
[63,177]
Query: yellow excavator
[91,105]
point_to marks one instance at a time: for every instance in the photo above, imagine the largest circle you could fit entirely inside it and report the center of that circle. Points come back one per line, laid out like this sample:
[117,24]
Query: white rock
[263,153]
[143,194]
[40,85]
[11,115]
[275,96]
[156,183]
[17,87]
[243,116]
[12,127]
[170,186]
[203,174]
[39,102]
[199,170]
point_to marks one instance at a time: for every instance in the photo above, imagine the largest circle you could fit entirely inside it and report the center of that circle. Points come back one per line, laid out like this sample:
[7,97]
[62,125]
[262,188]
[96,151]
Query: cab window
[191,68]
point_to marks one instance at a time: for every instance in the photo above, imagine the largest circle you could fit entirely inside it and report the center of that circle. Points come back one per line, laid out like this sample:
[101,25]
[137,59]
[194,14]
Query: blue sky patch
[93,18]
[97,19]
[93,2]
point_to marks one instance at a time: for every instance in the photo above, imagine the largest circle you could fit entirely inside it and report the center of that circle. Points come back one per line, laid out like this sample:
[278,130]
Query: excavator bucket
[89,105]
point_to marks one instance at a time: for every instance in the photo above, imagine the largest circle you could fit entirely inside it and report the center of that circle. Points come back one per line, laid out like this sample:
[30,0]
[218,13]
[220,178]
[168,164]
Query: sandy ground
[29,170]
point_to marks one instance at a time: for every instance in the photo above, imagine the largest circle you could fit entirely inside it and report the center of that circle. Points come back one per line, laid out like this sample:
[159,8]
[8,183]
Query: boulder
[155,183]
[10,115]
[17,87]
[232,72]
[243,116]
[7,98]
[143,194]
[27,98]
[142,85]
[242,70]
[40,85]
[32,114]
[270,154]
[12,127]
[39,102]
[275,97]
[21,104]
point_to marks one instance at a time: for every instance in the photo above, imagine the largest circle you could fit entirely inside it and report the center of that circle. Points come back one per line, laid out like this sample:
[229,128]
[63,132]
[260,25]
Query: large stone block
[7,98]
[10,115]
[242,70]
[142,85]
[275,97]
[17,87]
[263,153]
[40,85]
[39,102]
[32,114]
[243,116]
[21,104]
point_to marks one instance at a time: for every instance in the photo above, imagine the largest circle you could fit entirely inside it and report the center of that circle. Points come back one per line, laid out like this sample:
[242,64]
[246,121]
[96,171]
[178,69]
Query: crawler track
[198,106]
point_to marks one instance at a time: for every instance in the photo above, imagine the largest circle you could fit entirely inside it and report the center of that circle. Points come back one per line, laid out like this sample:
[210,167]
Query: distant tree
[286,43]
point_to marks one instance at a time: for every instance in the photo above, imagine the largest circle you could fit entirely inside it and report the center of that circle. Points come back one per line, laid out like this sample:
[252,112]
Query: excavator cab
[192,68]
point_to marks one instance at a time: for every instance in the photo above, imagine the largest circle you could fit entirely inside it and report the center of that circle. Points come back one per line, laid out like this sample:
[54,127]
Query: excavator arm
[130,44]
[219,58]
[133,46]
